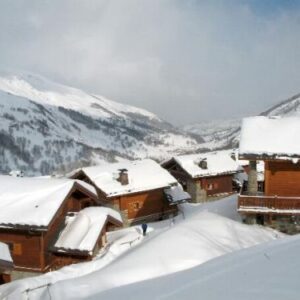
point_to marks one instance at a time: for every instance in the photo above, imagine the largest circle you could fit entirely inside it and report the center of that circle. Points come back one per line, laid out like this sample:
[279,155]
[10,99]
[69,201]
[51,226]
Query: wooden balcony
[268,204]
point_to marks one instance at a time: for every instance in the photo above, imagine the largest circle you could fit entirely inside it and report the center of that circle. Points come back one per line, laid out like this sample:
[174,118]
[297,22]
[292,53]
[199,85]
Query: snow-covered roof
[5,257]
[143,175]
[34,202]
[82,230]
[270,137]
[218,163]
[176,194]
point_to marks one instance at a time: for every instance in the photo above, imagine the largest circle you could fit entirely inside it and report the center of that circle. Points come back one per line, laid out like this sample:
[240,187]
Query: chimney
[123,176]
[233,156]
[203,164]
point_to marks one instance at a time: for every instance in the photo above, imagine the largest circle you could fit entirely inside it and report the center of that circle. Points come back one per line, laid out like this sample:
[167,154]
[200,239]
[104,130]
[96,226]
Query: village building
[32,214]
[139,189]
[84,235]
[276,203]
[205,176]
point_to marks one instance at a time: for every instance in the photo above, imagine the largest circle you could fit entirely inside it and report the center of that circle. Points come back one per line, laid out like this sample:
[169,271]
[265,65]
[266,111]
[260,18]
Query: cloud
[187,61]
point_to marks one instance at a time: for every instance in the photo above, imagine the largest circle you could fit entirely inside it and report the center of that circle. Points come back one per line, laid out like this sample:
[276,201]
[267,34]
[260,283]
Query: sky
[187,61]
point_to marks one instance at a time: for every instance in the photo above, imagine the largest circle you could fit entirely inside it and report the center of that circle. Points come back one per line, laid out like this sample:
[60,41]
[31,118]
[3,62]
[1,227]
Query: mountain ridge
[224,134]
[47,126]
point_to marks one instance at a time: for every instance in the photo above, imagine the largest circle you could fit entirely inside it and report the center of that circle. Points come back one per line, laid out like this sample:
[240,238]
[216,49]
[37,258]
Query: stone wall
[197,193]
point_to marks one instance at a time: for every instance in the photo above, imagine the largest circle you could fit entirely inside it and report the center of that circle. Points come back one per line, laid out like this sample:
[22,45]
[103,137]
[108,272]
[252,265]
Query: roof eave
[265,156]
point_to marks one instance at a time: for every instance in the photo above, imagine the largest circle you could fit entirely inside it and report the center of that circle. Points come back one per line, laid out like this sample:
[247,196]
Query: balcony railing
[269,204]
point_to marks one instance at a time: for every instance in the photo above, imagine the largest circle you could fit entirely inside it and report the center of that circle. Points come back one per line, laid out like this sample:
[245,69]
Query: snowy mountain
[224,134]
[286,108]
[217,134]
[47,126]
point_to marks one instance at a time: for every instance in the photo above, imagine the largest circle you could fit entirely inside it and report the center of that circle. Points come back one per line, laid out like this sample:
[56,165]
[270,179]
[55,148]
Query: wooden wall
[282,178]
[24,248]
[217,184]
[30,250]
[143,204]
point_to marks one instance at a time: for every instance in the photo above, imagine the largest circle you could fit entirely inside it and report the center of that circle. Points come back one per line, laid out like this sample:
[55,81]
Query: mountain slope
[217,134]
[224,134]
[286,108]
[47,126]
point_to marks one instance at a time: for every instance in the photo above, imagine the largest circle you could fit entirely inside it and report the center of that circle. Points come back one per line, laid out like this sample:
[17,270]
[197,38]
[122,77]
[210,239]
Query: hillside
[224,134]
[217,134]
[47,126]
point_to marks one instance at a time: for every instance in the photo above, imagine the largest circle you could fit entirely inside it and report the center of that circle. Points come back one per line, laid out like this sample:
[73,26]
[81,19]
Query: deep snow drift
[170,247]
[269,271]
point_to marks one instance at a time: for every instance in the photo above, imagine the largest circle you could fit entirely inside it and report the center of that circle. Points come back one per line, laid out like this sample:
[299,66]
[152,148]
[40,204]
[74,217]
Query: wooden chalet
[206,175]
[136,188]
[32,213]
[276,203]
[84,235]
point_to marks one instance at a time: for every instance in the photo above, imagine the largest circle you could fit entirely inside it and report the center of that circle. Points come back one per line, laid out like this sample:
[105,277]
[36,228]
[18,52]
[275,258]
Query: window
[136,205]
[15,248]
[210,186]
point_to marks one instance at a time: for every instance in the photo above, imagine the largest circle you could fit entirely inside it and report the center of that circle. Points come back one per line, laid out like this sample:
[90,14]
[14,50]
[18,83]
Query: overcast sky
[186,61]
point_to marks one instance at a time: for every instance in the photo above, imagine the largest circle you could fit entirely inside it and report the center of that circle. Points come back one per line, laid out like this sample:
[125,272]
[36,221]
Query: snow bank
[176,194]
[189,243]
[270,136]
[82,231]
[269,271]
[5,253]
[171,246]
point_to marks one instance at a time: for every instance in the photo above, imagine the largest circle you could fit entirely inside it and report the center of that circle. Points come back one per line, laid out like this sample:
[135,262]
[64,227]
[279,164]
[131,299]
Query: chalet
[32,213]
[84,234]
[206,175]
[275,141]
[6,263]
[139,189]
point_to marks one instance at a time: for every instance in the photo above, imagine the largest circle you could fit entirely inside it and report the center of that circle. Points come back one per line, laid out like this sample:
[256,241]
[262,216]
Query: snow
[143,175]
[269,271]
[270,136]
[44,91]
[51,123]
[218,163]
[177,194]
[189,243]
[193,238]
[82,231]
[32,201]
[5,253]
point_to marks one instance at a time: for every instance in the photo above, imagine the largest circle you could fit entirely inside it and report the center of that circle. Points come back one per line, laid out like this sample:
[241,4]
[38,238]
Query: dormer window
[203,164]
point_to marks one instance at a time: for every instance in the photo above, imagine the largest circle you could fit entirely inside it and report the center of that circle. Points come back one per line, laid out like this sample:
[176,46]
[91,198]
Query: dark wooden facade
[216,184]
[147,205]
[280,196]
[30,246]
